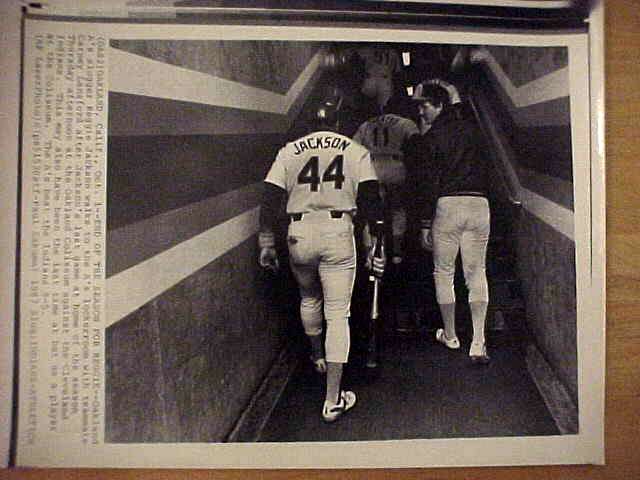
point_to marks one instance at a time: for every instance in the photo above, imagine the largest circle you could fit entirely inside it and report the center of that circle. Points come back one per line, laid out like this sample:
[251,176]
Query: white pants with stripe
[322,255]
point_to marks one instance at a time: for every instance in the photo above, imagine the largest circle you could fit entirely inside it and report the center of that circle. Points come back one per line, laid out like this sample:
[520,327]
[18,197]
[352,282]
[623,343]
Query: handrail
[502,154]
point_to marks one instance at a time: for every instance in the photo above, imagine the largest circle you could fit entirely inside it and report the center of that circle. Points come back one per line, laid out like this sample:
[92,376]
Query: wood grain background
[622,419]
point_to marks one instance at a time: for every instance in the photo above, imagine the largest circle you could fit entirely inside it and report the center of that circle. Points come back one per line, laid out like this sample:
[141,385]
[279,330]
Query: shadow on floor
[421,390]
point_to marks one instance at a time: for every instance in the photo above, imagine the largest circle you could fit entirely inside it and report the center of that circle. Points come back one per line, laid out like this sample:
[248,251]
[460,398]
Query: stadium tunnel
[203,346]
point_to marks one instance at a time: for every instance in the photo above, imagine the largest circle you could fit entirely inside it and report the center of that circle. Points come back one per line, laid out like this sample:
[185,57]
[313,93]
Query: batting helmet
[328,113]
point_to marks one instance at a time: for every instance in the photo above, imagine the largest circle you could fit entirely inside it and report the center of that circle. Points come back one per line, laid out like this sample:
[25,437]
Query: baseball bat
[378,251]
[375,312]
[372,349]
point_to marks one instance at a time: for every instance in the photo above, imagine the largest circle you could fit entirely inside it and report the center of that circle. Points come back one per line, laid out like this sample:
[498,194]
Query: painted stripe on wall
[548,113]
[552,113]
[160,116]
[270,65]
[548,87]
[554,189]
[134,287]
[136,242]
[150,175]
[142,76]
[558,217]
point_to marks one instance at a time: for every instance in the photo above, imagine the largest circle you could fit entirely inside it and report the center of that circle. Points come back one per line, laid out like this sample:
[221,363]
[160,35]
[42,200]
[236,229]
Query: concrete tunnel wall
[191,342]
[531,93]
[186,351]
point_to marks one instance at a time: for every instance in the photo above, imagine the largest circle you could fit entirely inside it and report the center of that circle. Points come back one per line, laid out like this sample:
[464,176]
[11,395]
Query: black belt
[296,217]
[464,194]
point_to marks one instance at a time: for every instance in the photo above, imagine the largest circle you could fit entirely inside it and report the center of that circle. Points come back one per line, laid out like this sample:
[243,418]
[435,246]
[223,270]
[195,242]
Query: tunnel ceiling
[427,60]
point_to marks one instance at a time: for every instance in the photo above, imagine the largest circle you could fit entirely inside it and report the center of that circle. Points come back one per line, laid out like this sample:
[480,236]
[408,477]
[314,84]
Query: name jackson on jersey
[320,142]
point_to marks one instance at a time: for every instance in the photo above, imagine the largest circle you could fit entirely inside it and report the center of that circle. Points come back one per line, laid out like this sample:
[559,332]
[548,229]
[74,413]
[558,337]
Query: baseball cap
[436,89]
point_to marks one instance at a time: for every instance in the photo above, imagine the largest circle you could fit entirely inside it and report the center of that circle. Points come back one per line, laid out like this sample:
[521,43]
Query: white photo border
[588,166]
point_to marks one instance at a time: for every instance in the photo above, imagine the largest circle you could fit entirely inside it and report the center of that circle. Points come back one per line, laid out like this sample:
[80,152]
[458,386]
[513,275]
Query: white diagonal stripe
[548,87]
[138,75]
[134,287]
[556,216]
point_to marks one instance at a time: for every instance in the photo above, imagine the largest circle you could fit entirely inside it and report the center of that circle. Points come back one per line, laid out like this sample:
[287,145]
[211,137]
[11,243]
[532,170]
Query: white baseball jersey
[321,171]
[384,136]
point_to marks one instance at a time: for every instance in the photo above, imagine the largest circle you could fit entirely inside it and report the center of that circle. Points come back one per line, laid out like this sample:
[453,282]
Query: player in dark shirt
[451,168]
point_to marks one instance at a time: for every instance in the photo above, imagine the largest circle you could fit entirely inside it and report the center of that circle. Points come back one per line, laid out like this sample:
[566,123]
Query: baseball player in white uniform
[385,136]
[324,177]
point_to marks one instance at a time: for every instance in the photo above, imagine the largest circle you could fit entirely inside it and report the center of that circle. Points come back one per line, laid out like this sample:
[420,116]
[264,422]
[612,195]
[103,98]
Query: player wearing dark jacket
[451,169]
[453,160]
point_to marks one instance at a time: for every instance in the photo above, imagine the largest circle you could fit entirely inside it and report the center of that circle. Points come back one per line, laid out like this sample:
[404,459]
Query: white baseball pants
[322,255]
[462,224]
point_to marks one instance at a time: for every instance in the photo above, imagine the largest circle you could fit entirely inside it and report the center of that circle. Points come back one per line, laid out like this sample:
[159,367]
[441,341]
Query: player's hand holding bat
[269,259]
[376,264]
[376,258]
[376,261]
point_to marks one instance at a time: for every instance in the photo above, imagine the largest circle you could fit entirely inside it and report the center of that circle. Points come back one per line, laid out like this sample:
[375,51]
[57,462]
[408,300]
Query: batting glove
[269,259]
[376,264]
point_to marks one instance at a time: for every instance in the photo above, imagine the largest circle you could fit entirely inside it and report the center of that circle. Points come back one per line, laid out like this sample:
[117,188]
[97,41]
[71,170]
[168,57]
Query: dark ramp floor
[422,390]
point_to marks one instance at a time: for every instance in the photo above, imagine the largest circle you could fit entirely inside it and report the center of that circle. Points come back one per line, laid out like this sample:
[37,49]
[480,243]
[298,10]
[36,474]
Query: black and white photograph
[474,334]
[267,240]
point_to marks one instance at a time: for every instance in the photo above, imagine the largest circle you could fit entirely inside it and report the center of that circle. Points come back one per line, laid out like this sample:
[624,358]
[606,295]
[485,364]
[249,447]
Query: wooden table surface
[622,422]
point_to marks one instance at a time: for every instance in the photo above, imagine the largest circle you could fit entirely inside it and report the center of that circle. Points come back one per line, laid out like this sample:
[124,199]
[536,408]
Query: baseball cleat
[478,353]
[331,413]
[452,343]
